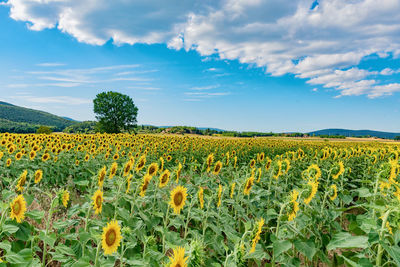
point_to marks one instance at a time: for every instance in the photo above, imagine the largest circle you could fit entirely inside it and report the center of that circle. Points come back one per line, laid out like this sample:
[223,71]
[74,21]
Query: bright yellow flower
[111,237]
[18,208]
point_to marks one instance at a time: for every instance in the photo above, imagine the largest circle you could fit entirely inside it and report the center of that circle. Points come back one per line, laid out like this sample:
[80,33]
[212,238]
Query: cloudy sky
[272,65]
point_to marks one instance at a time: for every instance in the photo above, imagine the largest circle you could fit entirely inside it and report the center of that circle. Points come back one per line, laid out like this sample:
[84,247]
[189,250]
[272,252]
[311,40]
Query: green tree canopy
[115,112]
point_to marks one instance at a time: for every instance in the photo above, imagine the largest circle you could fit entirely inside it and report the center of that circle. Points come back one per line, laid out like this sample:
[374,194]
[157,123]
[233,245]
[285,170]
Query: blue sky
[192,66]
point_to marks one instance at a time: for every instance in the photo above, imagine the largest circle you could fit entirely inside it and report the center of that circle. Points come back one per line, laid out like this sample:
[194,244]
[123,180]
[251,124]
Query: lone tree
[115,112]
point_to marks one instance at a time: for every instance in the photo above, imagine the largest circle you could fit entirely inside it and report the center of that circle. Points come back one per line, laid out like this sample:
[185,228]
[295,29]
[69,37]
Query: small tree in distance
[115,112]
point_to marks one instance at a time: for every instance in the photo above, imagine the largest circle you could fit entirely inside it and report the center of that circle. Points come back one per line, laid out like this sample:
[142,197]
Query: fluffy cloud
[322,41]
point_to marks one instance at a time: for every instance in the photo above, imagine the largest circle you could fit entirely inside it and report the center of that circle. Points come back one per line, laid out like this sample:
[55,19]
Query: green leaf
[346,240]
[281,246]
[5,245]
[65,250]
[36,215]
[10,228]
[14,258]
[307,248]
[394,252]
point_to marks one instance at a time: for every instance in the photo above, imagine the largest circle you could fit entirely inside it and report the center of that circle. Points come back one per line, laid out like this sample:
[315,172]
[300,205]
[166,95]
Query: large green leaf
[346,240]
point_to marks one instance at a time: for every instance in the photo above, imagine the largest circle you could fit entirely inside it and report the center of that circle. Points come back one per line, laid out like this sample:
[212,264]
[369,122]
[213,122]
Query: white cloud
[68,100]
[50,64]
[323,45]
[208,87]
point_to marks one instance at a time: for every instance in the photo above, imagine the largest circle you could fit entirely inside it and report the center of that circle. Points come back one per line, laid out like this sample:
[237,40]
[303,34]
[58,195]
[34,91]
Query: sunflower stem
[188,219]
[97,254]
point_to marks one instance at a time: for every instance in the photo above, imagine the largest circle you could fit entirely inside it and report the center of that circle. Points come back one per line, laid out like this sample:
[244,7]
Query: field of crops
[125,200]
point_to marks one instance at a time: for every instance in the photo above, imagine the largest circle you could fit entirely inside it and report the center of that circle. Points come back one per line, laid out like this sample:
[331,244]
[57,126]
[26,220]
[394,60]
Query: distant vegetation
[44,130]
[25,120]
[83,127]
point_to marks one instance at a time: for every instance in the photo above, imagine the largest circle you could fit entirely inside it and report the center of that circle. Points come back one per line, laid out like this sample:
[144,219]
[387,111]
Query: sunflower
[339,170]
[178,260]
[313,172]
[248,185]
[219,195]
[210,159]
[18,156]
[18,208]
[161,164]
[334,193]
[217,168]
[45,157]
[77,162]
[101,175]
[252,163]
[294,205]
[256,238]
[259,172]
[87,157]
[178,172]
[38,176]
[152,169]
[235,162]
[169,158]
[22,181]
[8,162]
[127,168]
[65,198]
[98,201]
[145,185]
[141,163]
[201,197]
[313,188]
[111,237]
[268,164]
[164,178]
[116,156]
[113,170]
[178,198]
[128,183]
[277,171]
[232,190]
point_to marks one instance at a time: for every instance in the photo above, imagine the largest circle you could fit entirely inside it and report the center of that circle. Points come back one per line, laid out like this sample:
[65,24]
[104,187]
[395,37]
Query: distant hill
[12,116]
[355,133]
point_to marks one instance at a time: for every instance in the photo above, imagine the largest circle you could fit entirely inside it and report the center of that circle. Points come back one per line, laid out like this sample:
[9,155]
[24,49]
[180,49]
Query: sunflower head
[101,175]
[22,181]
[113,170]
[18,208]
[178,198]
[248,185]
[164,178]
[65,198]
[111,237]
[38,176]
[217,168]
[178,259]
[145,185]
[141,163]
[152,169]
[98,201]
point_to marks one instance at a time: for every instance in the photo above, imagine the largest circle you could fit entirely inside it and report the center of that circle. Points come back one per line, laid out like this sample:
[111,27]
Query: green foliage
[44,130]
[31,117]
[397,137]
[17,127]
[115,111]
[83,127]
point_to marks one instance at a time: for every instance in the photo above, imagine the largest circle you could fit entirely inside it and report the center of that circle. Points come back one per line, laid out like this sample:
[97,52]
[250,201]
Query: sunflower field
[155,200]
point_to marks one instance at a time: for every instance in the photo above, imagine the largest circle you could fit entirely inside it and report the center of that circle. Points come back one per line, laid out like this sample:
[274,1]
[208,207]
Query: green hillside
[15,117]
